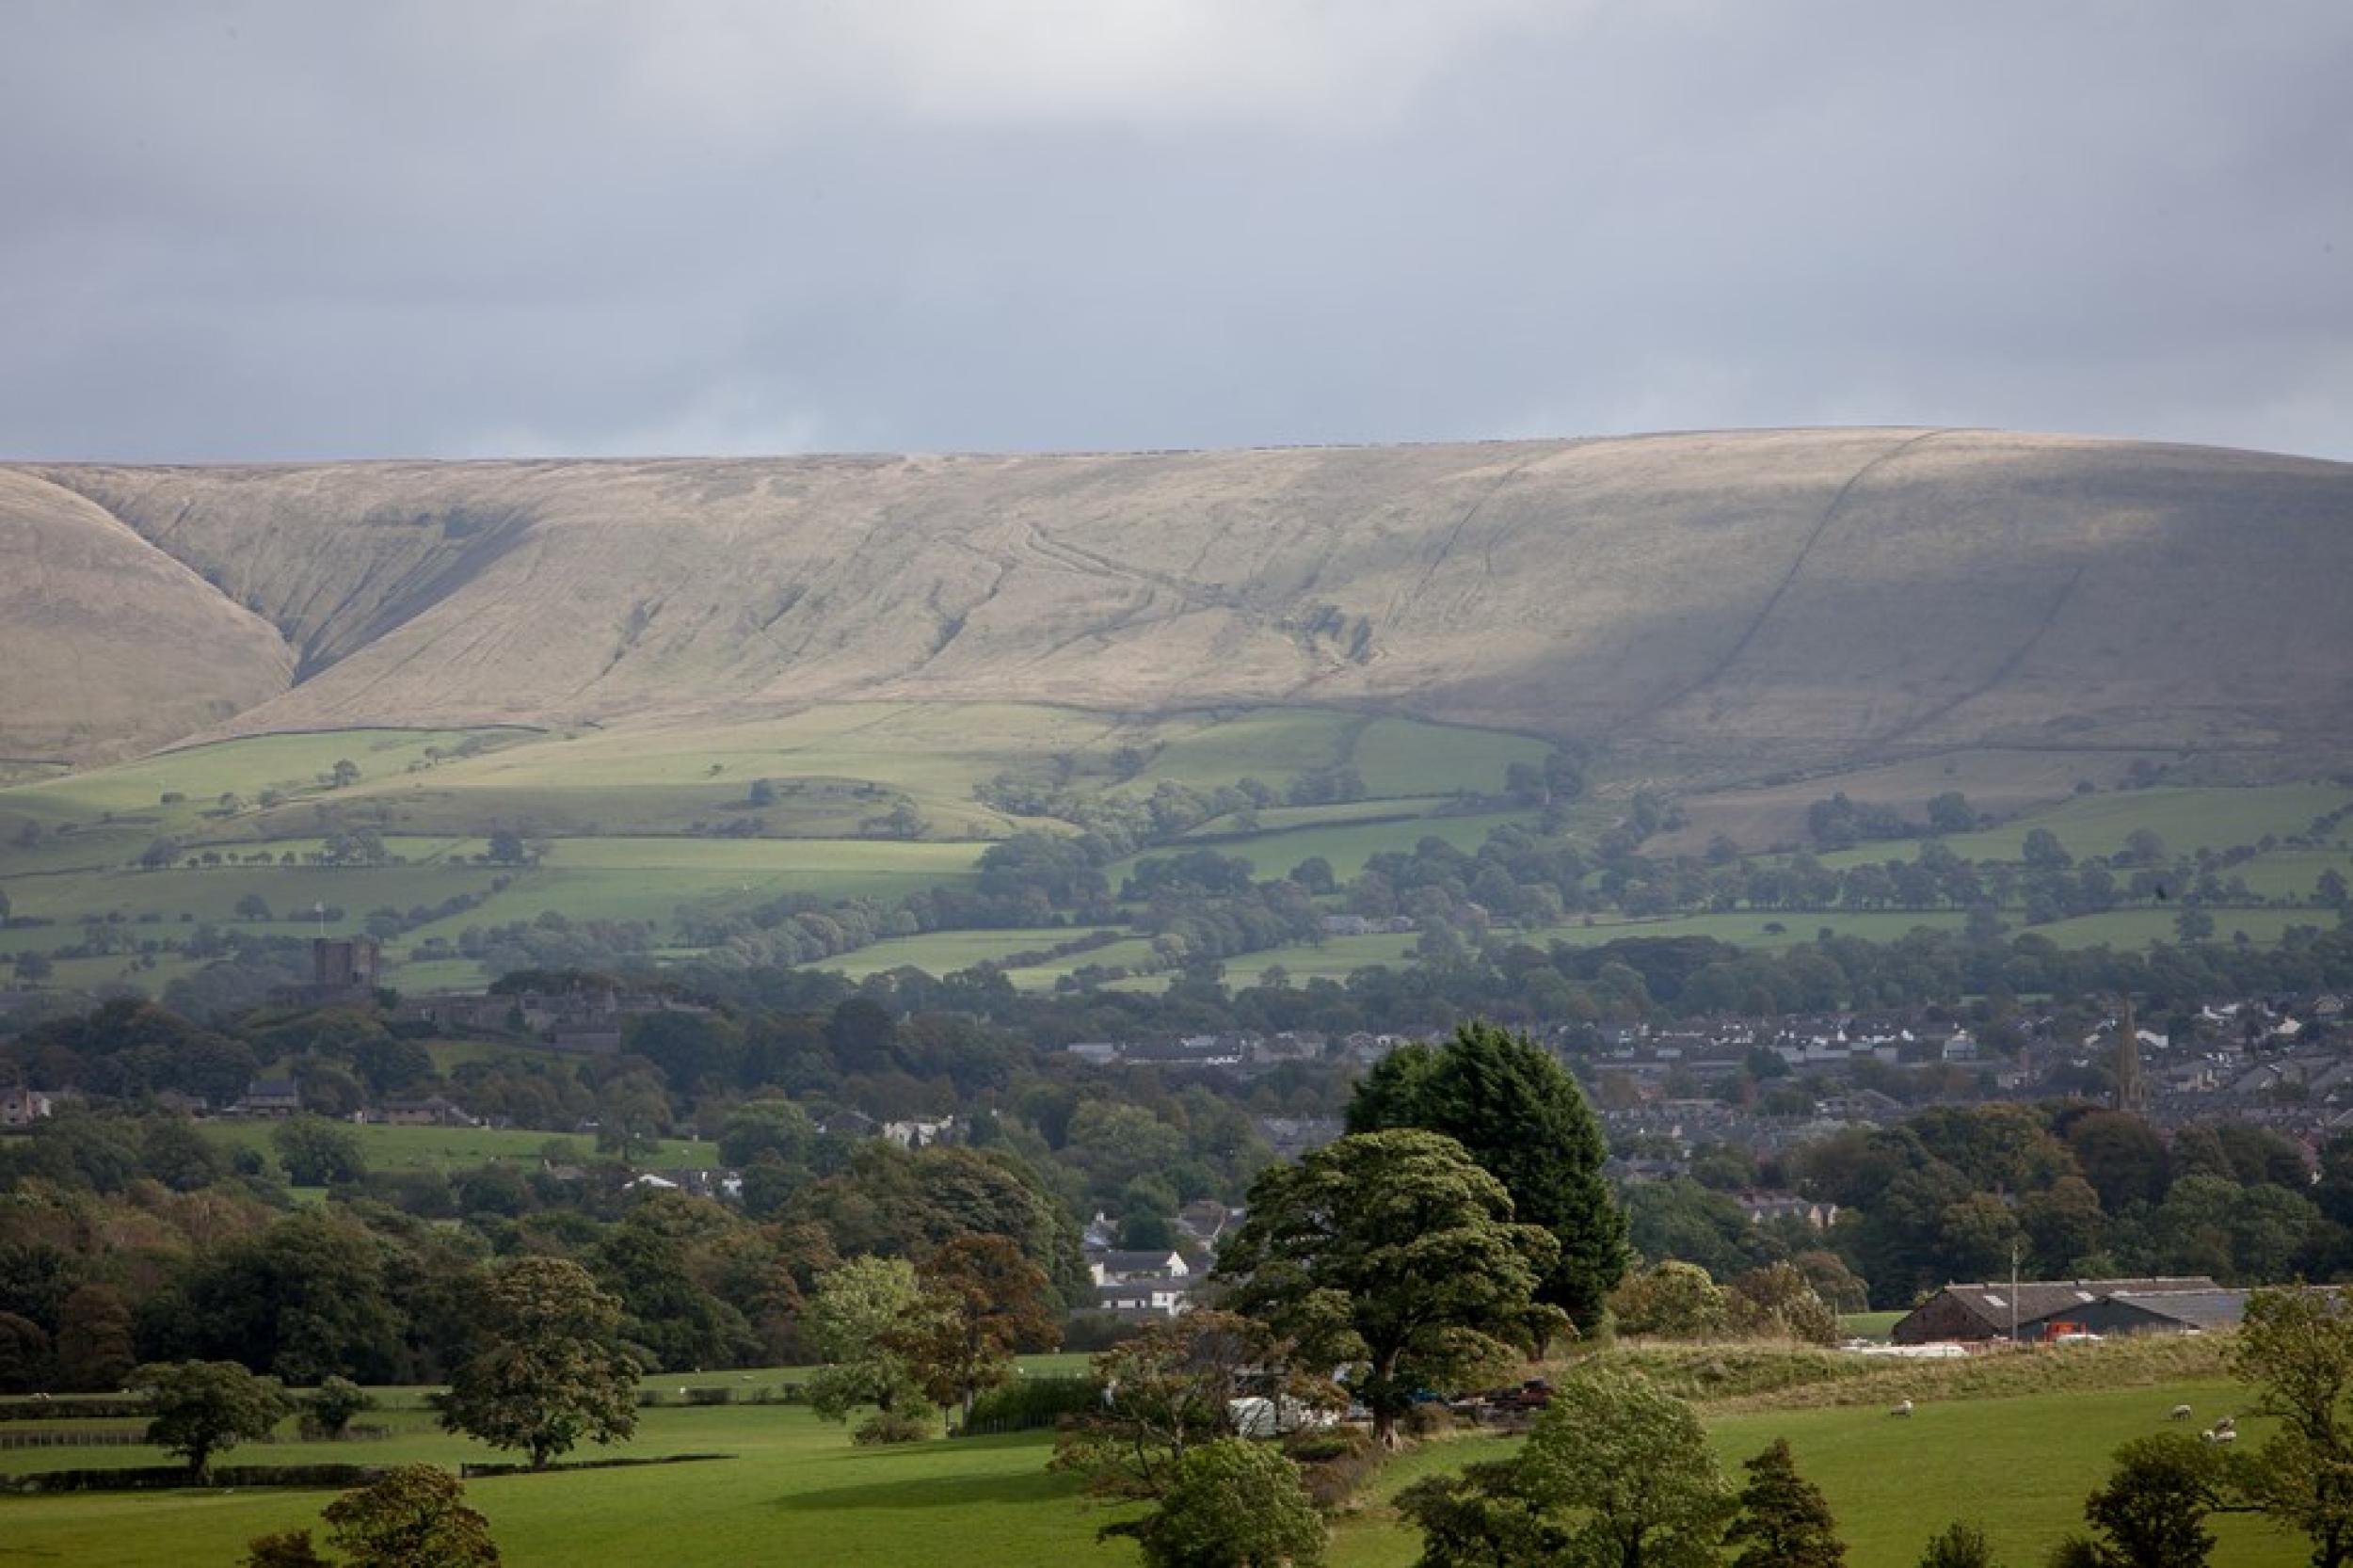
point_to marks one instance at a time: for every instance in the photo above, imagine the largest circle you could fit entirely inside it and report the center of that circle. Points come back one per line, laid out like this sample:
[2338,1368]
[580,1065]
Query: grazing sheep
[2226,1436]
[1903,1409]
[2181,1413]
[2227,1423]
[2208,1437]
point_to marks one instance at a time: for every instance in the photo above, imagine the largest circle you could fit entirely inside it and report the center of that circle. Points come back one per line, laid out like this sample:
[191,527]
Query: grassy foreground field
[797,1490]
[794,1491]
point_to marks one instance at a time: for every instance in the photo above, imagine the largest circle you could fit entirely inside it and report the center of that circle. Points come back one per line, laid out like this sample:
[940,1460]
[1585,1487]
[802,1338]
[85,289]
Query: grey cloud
[286,230]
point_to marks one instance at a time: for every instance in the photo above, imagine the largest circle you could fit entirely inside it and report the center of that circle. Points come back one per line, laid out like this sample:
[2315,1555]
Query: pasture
[450,1148]
[797,1490]
[657,824]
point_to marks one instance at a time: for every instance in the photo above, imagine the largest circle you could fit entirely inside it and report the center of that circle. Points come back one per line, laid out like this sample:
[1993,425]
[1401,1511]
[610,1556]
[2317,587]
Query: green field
[1868,1325]
[798,1491]
[643,825]
[1345,844]
[438,1148]
[2186,819]
[946,952]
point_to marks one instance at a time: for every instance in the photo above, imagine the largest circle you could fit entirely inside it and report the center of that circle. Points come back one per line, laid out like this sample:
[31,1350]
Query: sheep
[2210,1435]
[1903,1409]
[2226,1436]
[2227,1423]
[2181,1413]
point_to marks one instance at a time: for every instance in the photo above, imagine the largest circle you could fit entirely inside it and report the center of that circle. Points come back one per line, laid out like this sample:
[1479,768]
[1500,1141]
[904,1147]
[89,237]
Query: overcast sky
[486,227]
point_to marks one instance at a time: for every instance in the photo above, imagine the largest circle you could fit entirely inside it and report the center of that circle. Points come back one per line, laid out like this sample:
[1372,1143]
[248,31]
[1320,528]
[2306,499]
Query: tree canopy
[415,1517]
[1233,1504]
[1395,1254]
[551,1369]
[1784,1521]
[204,1407]
[2296,1348]
[979,1301]
[853,1323]
[1523,1118]
[1616,1474]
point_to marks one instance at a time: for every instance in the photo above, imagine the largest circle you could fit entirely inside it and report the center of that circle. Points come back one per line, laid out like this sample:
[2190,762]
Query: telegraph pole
[2013,1294]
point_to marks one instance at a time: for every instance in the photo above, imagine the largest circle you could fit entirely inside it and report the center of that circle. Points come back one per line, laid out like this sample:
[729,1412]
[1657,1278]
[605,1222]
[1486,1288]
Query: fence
[73,1439]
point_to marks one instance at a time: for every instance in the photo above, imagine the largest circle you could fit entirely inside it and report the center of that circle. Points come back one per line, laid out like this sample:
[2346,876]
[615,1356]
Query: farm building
[2163,1311]
[1982,1312]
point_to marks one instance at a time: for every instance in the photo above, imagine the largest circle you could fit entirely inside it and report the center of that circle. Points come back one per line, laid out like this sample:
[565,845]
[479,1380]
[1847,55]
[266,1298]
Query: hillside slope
[1797,598]
[109,645]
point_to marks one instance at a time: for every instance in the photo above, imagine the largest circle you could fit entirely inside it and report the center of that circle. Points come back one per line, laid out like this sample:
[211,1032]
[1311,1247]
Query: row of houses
[1240,1051]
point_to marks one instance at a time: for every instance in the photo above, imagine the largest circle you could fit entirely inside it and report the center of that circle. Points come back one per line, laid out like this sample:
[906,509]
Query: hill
[1721,603]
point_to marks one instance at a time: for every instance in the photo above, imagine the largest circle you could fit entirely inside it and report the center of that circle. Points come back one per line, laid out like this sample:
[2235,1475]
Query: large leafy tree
[980,1301]
[309,1297]
[415,1517]
[1233,1504]
[204,1407]
[2296,1348]
[657,1260]
[1523,1118]
[852,1322]
[900,1203]
[1394,1254]
[2152,1512]
[1785,1520]
[1627,1468]
[551,1369]
[328,1411]
[317,1153]
[1616,1474]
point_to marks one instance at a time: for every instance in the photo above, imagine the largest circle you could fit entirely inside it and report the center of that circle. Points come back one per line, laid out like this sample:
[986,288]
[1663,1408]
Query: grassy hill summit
[1726,601]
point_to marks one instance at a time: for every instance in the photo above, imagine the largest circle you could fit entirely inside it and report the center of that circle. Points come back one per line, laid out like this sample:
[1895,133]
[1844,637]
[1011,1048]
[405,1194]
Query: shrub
[1671,1301]
[1098,1331]
[1026,1405]
[1428,1419]
[414,1515]
[1335,1462]
[327,1411]
[1235,1504]
[893,1426]
[292,1549]
[1321,1446]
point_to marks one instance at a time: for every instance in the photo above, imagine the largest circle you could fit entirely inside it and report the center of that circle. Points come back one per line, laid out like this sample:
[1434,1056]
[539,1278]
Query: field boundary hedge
[74,1410]
[471,1471]
[166,1478]
[163,1478]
